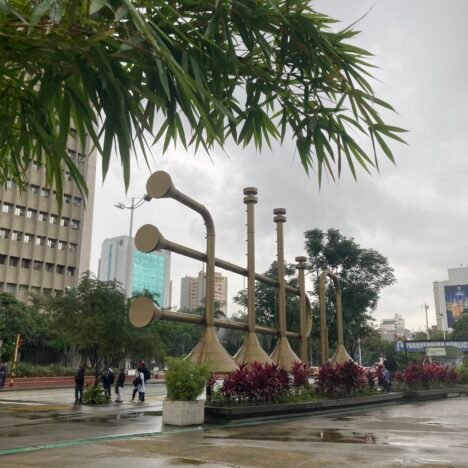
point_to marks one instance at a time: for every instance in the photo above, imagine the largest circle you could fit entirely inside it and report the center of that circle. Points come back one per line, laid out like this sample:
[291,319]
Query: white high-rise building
[150,272]
[193,291]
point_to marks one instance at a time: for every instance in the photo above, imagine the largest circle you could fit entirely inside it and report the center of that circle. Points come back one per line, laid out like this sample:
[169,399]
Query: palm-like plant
[197,72]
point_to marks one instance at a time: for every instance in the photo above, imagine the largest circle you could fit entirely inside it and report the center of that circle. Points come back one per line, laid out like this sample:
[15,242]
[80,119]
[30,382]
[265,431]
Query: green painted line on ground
[206,427]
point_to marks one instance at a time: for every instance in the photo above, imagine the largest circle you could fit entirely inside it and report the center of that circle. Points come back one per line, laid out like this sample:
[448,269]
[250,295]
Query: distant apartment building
[43,250]
[149,272]
[392,329]
[451,297]
[193,291]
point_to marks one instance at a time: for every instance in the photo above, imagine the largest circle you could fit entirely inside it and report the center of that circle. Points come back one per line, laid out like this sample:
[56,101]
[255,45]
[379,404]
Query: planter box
[227,413]
[183,413]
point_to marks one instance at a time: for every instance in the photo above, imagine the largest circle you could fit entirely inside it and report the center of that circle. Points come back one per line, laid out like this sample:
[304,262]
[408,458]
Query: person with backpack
[107,380]
[79,384]
[136,383]
[119,386]
[144,375]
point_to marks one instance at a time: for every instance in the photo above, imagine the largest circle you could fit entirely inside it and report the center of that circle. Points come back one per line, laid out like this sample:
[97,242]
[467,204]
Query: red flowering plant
[341,379]
[425,376]
[255,383]
[300,375]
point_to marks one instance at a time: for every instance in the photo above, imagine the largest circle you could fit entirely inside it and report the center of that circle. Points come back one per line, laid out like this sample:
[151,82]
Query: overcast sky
[414,213]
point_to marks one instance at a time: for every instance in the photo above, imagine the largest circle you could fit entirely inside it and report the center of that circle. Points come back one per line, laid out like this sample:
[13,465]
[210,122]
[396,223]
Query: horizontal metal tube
[221,323]
[197,255]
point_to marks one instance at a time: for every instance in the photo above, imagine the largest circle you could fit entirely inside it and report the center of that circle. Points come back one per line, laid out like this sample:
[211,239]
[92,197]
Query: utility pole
[426,307]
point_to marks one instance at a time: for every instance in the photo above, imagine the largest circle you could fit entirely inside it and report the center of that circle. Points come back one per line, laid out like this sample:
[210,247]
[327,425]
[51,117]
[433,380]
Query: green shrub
[463,372]
[185,380]
[26,369]
[94,395]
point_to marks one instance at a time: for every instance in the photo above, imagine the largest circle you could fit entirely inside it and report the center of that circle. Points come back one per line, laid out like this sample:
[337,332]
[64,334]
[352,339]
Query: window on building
[67,198]
[37,166]
[72,154]
[62,245]
[7,208]
[4,233]
[81,159]
[40,240]
[28,238]
[72,247]
[52,243]
[71,271]
[68,176]
[47,291]
[31,214]
[10,288]
[26,263]
[43,216]
[37,266]
[20,210]
[64,221]
[35,189]
[23,288]
[10,184]
[60,269]
[16,236]
[49,267]
[3,259]
[13,261]
[75,224]
[77,201]
[53,219]
[58,292]
[45,192]
[35,290]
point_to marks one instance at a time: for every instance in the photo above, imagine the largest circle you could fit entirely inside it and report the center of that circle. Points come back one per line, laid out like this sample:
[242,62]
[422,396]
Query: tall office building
[148,271]
[451,297]
[42,250]
[193,291]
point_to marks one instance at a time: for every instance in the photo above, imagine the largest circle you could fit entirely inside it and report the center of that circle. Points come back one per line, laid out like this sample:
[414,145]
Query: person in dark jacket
[3,374]
[107,380]
[119,386]
[79,384]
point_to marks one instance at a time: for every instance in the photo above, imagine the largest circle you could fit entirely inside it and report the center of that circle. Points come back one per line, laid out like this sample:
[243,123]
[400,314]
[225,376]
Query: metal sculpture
[209,350]
[341,355]
[251,350]
[283,355]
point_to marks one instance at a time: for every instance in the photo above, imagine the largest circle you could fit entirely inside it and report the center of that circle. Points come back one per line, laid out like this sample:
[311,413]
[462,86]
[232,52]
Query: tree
[266,304]
[17,318]
[93,317]
[460,328]
[363,273]
[122,70]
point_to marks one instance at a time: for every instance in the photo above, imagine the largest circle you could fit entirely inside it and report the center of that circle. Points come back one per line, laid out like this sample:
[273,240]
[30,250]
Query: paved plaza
[44,428]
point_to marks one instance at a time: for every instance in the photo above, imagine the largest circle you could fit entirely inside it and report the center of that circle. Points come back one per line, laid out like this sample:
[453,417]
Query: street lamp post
[442,323]
[426,307]
[133,206]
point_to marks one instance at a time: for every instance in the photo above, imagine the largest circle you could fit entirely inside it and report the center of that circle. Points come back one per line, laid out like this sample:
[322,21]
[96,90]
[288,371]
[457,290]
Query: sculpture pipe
[250,199]
[143,311]
[301,265]
[160,185]
[280,219]
[148,239]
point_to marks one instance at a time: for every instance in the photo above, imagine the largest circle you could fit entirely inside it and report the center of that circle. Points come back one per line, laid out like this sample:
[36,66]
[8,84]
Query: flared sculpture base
[283,354]
[341,356]
[251,351]
[211,352]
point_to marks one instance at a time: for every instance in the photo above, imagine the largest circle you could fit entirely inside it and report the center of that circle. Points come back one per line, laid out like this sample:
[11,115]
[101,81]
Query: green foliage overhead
[185,380]
[193,72]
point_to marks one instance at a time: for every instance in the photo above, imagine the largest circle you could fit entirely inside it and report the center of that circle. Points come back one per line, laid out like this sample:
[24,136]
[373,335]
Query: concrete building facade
[193,291]
[392,329]
[451,297]
[148,271]
[42,250]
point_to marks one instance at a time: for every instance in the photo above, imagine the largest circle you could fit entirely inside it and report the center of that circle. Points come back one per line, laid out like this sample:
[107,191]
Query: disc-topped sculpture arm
[160,185]
[208,350]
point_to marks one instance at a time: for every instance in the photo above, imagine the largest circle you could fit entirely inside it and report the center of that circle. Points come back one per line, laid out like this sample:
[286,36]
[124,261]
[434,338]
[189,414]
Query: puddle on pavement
[186,461]
[328,435]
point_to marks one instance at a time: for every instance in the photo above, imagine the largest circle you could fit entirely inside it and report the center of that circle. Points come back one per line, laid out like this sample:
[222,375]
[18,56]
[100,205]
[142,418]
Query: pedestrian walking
[79,384]
[136,384]
[141,386]
[107,380]
[119,386]
[386,381]
[3,374]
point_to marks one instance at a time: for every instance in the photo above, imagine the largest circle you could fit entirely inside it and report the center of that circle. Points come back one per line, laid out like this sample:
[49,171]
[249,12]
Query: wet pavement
[429,434]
